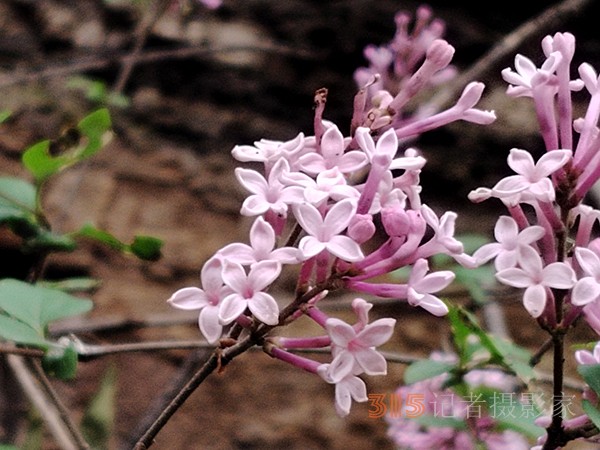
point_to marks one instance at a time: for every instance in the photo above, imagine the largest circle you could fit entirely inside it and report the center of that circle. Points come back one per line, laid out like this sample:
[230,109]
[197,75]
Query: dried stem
[61,429]
[547,20]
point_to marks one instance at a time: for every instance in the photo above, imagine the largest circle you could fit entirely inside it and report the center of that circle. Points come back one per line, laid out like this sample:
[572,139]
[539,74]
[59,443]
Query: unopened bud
[440,53]
[396,221]
[361,228]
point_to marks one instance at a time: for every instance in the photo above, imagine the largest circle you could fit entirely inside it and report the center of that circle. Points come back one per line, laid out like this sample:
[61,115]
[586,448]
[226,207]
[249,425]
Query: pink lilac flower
[324,233]
[535,279]
[261,248]
[207,299]
[347,389]
[443,240]
[269,152]
[509,248]
[332,155]
[532,181]
[247,292]
[421,286]
[587,288]
[328,184]
[587,357]
[355,350]
[268,194]
[440,402]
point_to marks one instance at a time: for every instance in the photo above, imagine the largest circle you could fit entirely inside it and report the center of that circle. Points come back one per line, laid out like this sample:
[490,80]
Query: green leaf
[94,127]
[4,115]
[592,412]
[510,413]
[61,362]
[41,164]
[98,421]
[475,281]
[146,248]
[17,198]
[503,352]
[591,375]
[49,242]
[104,237]
[427,368]
[12,329]
[76,284]
[37,306]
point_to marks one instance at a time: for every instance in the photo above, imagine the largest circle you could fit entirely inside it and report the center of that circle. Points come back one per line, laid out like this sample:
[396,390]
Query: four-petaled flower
[354,349]
[421,286]
[587,288]
[535,279]
[268,195]
[332,155]
[261,248]
[532,181]
[324,233]
[207,299]
[347,389]
[509,248]
[248,292]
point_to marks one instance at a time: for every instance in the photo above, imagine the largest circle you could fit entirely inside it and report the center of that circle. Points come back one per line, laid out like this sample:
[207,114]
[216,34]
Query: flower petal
[585,291]
[231,308]
[534,300]
[189,298]
[265,308]
[209,324]
[345,248]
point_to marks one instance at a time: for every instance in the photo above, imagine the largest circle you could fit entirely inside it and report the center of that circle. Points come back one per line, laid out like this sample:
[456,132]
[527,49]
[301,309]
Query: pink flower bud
[440,53]
[361,228]
[395,221]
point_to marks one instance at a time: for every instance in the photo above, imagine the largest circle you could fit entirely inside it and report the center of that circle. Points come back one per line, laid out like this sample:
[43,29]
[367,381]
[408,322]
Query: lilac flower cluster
[463,423]
[351,210]
[547,245]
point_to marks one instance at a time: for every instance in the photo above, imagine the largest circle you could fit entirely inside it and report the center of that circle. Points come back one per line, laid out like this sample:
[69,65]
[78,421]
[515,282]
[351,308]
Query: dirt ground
[168,173]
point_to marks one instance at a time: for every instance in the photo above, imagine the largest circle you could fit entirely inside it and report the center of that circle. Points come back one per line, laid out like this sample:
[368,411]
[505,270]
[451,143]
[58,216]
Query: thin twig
[12,350]
[547,20]
[58,404]
[87,352]
[157,8]
[48,411]
[56,69]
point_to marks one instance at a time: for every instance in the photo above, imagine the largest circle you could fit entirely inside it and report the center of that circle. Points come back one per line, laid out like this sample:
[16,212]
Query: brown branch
[157,8]
[550,18]
[56,69]
[60,430]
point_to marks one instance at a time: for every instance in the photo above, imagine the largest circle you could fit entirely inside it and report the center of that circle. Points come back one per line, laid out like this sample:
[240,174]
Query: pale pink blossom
[531,181]
[422,285]
[207,299]
[355,350]
[347,389]
[332,154]
[261,248]
[329,183]
[247,292]
[535,279]
[587,357]
[269,152]
[587,288]
[508,250]
[268,194]
[324,233]
[443,240]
